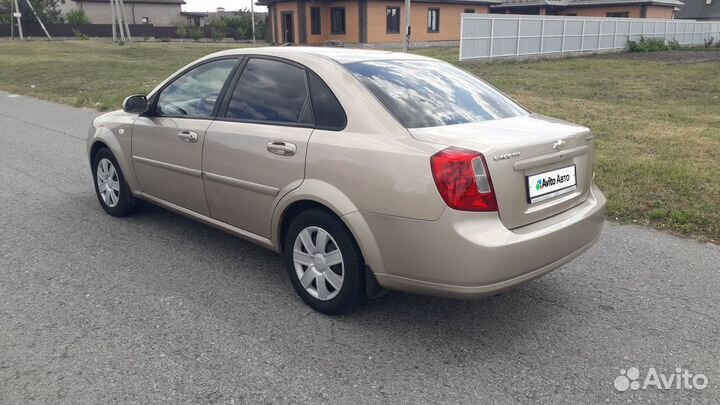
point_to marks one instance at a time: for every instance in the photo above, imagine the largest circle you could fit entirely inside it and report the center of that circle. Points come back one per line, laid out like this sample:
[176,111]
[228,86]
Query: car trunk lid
[526,149]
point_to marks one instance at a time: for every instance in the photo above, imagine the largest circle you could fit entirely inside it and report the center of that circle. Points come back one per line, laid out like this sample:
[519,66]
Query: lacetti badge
[504,156]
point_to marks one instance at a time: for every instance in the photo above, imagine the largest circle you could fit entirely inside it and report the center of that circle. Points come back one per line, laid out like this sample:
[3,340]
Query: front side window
[194,94]
[337,20]
[315,27]
[271,91]
[431,93]
[433,20]
[393,20]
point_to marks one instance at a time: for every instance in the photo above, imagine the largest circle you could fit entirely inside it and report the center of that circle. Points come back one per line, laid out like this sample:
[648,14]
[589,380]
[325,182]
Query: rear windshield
[429,94]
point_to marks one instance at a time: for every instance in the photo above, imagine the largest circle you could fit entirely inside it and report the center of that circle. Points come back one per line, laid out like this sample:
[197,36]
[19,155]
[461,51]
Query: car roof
[340,55]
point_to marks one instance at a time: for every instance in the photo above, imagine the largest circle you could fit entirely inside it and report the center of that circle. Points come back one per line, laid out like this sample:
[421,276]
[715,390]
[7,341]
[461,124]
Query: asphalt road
[157,308]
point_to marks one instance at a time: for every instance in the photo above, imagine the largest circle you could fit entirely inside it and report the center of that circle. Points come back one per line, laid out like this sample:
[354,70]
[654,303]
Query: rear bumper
[469,255]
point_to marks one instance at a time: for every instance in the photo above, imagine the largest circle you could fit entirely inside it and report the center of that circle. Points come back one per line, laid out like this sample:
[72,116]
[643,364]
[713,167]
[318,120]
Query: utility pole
[12,24]
[406,42]
[125,20]
[17,16]
[38,18]
[112,13]
[118,14]
[252,17]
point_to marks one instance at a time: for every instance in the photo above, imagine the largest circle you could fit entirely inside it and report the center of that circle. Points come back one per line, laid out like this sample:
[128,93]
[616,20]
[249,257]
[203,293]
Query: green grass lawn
[656,123]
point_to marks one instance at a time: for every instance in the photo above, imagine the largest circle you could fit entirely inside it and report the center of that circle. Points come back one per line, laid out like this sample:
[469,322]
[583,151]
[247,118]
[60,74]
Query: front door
[255,149]
[287,28]
[167,142]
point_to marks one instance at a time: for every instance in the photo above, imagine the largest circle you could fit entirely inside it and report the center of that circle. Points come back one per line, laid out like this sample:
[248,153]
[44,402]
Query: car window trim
[152,109]
[222,112]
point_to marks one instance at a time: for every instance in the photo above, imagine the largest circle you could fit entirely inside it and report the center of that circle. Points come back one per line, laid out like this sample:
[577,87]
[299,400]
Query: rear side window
[329,114]
[271,91]
[429,94]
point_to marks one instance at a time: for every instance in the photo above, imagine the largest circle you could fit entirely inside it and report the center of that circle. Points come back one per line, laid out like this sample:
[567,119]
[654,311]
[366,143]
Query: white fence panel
[494,35]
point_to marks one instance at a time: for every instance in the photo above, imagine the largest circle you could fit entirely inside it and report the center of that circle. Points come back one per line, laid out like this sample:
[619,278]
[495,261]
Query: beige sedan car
[365,169]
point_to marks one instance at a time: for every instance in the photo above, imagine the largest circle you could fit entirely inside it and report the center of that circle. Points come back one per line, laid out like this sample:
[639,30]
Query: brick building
[308,22]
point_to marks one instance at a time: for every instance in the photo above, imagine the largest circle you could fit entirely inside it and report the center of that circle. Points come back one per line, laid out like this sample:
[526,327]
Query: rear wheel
[324,263]
[110,186]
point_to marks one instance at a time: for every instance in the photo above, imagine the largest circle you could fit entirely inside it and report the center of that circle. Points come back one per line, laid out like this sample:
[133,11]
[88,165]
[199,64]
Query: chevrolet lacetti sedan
[365,169]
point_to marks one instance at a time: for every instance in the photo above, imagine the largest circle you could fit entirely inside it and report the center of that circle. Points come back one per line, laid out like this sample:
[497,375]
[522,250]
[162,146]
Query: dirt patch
[673,57]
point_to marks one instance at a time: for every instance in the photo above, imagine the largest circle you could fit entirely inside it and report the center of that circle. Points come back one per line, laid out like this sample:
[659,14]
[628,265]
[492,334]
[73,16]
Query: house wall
[100,13]
[450,15]
[352,24]
[449,21]
[280,9]
[659,12]
[634,11]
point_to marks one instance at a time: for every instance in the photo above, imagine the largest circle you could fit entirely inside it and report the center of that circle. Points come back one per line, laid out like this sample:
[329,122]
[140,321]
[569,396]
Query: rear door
[167,143]
[255,150]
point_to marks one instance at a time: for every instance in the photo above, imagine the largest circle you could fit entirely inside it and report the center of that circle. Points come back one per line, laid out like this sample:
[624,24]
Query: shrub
[181,30]
[709,42]
[240,24]
[79,35]
[216,35]
[196,34]
[217,29]
[674,45]
[647,45]
[77,17]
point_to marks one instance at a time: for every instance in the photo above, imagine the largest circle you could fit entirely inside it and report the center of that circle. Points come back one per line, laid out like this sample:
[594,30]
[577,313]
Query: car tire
[330,279]
[110,186]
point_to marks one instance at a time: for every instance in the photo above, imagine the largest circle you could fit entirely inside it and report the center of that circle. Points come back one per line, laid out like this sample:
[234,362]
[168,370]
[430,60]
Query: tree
[241,25]
[46,9]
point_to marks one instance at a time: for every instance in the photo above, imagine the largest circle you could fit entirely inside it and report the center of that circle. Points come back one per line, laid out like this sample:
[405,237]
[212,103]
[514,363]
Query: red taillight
[462,178]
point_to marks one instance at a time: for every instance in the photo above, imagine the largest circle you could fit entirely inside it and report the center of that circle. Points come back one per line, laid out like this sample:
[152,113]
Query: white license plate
[551,184]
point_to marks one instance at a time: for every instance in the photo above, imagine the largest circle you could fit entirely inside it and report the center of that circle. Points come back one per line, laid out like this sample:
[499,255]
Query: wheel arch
[104,137]
[308,196]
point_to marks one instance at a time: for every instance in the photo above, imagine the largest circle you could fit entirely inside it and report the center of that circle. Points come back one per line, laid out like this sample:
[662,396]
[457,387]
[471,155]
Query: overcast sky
[211,5]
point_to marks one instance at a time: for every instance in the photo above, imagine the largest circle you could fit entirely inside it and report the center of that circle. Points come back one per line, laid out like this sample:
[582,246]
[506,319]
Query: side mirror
[135,104]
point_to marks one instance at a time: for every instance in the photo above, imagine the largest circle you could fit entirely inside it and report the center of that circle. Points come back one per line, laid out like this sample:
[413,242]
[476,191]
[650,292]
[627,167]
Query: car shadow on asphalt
[501,317]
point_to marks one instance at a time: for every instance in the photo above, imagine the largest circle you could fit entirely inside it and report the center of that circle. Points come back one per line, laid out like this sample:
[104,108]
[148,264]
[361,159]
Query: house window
[315,27]
[337,20]
[145,20]
[469,11]
[393,20]
[433,20]
[624,14]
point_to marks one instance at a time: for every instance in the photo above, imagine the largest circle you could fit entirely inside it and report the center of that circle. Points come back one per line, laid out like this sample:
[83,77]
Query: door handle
[282,148]
[188,136]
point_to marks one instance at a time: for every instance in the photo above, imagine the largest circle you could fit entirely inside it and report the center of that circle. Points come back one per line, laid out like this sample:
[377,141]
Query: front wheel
[324,263]
[110,186]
